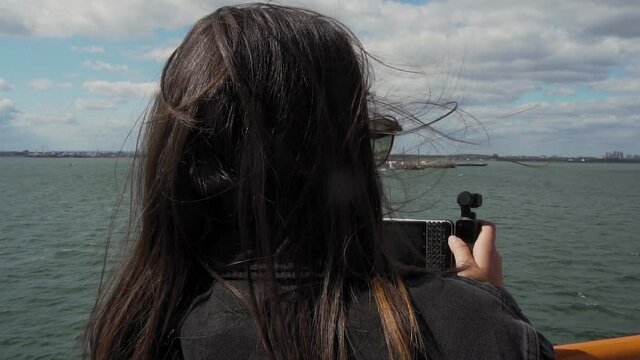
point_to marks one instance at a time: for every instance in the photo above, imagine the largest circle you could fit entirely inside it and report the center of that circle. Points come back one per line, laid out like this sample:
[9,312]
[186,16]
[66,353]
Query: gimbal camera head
[468,227]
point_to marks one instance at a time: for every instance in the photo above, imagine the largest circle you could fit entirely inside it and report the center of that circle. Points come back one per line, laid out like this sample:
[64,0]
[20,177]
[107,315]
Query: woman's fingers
[461,252]
[484,249]
[486,254]
[485,263]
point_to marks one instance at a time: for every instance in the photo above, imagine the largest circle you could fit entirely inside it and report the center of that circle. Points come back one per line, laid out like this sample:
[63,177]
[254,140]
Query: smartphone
[421,243]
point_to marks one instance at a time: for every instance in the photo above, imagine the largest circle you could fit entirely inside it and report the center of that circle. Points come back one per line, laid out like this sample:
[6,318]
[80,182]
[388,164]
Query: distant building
[614,155]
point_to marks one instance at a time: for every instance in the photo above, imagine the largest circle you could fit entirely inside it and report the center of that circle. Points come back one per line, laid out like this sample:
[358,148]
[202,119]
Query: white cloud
[104,66]
[8,110]
[485,54]
[157,54]
[629,85]
[111,19]
[86,104]
[562,91]
[45,84]
[570,128]
[35,120]
[6,104]
[121,90]
[63,131]
[41,84]
[4,85]
[88,49]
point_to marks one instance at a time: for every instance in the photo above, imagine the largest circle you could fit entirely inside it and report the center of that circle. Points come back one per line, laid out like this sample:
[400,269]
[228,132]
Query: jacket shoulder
[469,319]
[218,327]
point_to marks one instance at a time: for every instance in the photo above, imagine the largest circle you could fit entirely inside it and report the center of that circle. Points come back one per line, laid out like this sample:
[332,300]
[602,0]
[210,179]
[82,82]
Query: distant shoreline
[509,158]
[393,157]
[68,154]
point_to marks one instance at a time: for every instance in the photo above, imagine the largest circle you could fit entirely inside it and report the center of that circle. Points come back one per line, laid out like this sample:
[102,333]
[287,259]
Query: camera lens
[465,198]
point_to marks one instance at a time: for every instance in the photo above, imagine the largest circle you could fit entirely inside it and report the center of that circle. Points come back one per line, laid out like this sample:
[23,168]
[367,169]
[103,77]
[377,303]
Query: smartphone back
[420,243]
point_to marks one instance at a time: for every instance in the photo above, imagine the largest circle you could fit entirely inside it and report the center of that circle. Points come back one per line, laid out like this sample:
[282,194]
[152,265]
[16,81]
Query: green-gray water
[567,232]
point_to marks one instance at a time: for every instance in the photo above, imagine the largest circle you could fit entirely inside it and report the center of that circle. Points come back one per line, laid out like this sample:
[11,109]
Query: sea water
[569,236]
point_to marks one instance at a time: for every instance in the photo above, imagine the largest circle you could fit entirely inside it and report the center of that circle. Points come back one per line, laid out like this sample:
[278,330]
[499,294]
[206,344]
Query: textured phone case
[436,246]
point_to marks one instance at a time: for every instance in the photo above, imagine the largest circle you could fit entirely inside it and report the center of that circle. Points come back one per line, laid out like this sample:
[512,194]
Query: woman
[261,215]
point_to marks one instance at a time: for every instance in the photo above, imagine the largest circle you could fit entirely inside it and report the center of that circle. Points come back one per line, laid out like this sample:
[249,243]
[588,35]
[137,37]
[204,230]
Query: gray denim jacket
[463,319]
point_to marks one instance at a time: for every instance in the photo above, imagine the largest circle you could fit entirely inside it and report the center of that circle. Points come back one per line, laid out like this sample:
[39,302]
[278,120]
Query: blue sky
[78,77]
[55,83]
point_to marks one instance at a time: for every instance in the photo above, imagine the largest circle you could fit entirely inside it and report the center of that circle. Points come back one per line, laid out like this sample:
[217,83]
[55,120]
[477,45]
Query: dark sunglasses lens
[382,148]
[383,130]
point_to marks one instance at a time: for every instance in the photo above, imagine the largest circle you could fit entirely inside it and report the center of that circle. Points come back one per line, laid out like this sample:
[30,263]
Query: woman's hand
[485,264]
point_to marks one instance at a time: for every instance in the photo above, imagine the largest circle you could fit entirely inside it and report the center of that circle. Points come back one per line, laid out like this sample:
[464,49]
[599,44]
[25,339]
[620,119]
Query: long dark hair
[256,155]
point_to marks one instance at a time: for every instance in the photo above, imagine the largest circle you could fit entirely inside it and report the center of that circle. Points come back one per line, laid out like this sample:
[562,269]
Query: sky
[530,77]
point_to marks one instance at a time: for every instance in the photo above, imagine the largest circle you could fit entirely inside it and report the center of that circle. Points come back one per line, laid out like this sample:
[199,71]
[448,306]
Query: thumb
[461,252]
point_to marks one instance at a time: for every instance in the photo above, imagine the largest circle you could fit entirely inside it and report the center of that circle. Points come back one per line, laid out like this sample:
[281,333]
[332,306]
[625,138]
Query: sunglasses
[383,131]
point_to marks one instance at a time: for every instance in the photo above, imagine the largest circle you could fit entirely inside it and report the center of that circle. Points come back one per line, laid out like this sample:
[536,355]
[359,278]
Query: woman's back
[460,318]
